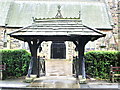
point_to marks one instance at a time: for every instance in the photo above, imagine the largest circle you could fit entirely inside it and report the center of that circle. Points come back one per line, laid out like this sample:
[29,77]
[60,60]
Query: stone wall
[11,43]
[119,25]
[113,5]
[1,37]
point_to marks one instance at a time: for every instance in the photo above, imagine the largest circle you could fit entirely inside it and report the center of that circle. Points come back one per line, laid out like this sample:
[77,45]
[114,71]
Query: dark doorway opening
[58,50]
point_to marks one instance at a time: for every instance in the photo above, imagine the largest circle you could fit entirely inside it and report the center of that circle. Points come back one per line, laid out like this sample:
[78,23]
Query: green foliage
[17,62]
[98,63]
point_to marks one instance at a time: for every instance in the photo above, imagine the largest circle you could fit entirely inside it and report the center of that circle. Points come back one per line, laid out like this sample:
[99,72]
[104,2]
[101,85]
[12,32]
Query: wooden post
[38,74]
[80,45]
[77,61]
[34,54]
[33,45]
[80,69]
[44,66]
[83,69]
[80,57]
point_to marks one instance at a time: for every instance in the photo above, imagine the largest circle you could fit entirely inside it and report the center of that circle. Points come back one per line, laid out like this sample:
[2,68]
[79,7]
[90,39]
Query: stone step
[59,59]
[56,82]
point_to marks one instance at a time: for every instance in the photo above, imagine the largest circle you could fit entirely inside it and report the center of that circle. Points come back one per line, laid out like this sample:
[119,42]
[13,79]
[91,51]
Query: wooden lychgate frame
[57,30]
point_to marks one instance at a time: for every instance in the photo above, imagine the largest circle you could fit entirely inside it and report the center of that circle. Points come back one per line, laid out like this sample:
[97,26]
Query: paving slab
[57,67]
[13,83]
[100,84]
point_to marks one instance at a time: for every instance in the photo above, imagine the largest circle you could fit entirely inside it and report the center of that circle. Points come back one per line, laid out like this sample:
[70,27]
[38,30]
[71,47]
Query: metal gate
[74,66]
[41,67]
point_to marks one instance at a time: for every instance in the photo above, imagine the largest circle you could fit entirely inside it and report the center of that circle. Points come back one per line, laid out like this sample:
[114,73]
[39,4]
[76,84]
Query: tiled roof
[56,27]
[20,13]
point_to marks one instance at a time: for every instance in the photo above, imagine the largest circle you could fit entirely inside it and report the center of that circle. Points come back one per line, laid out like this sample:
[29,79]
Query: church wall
[46,50]
[12,43]
[1,37]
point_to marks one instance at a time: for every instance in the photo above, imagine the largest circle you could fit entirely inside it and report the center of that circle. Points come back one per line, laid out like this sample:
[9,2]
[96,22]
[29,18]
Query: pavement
[58,75]
[57,83]
[100,84]
[13,83]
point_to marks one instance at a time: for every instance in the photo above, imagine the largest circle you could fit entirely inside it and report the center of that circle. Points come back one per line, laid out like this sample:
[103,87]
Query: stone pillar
[67,55]
[9,43]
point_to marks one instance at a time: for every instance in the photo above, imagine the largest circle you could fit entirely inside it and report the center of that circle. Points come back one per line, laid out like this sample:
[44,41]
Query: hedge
[98,63]
[17,62]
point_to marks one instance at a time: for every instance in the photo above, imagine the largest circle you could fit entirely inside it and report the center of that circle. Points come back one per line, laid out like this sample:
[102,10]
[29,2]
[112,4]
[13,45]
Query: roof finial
[59,15]
[59,7]
[33,19]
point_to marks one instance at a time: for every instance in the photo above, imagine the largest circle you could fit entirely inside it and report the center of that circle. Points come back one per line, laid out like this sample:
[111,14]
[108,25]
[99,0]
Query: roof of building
[50,28]
[19,13]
